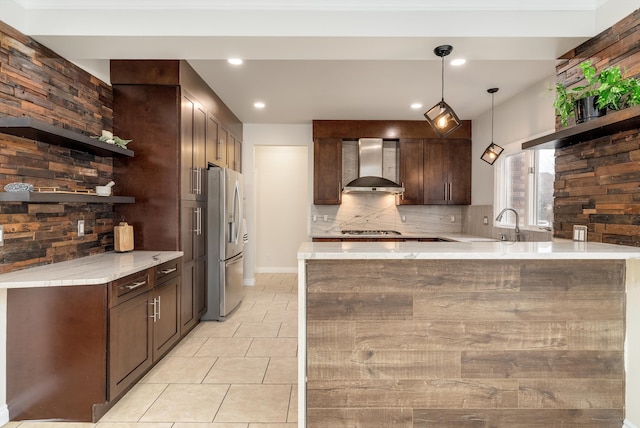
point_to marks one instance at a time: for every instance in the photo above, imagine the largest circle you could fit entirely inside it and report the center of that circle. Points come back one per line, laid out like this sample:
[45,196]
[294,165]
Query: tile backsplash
[370,211]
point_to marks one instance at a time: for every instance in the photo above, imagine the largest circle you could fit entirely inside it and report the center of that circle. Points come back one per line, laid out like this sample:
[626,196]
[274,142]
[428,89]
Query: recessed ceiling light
[258,104]
[416,106]
[458,61]
[235,61]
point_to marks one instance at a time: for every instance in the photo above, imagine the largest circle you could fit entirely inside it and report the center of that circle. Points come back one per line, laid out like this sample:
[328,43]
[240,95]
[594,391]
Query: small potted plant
[606,91]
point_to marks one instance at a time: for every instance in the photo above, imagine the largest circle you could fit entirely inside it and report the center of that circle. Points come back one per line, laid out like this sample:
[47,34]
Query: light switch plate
[579,233]
[80,227]
[1,236]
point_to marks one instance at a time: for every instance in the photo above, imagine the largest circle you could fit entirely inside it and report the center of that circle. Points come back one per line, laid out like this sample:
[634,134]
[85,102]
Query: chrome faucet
[517,229]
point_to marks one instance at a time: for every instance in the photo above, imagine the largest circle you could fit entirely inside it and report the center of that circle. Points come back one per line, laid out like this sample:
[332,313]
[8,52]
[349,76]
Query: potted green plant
[605,91]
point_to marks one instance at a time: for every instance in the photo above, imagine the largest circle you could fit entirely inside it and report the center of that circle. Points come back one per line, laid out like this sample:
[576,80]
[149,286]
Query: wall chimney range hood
[370,179]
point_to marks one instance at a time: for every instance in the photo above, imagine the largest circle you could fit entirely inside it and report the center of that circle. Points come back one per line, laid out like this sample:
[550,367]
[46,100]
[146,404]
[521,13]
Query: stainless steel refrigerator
[225,242]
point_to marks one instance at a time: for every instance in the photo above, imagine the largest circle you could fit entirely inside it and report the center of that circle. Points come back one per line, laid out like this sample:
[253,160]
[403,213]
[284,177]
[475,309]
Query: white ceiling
[328,59]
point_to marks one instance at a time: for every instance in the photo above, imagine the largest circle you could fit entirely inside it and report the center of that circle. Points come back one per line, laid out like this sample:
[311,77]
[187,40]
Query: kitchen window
[524,182]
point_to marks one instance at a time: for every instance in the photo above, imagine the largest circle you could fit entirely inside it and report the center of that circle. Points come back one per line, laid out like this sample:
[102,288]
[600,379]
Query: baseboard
[628,424]
[276,270]
[4,414]
[249,282]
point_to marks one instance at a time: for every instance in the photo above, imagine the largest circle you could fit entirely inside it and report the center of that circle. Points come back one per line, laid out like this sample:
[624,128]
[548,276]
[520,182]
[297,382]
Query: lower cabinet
[73,351]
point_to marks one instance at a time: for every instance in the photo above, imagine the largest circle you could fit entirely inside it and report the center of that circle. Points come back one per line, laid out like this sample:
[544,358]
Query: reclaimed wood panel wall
[598,182]
[465,343]
[37,83]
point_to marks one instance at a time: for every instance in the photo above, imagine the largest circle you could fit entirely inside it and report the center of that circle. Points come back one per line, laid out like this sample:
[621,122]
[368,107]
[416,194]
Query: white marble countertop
[447,236]
[90,270]
[465,250]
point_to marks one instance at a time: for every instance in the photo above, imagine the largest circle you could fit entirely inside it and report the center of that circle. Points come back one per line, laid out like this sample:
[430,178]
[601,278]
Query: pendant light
[492,152]
[441,116]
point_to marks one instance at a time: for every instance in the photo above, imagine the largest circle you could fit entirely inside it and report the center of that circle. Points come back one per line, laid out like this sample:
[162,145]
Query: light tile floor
[240,373]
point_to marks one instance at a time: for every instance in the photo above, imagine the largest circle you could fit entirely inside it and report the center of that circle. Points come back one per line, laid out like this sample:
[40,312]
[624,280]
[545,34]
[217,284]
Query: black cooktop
[371,232]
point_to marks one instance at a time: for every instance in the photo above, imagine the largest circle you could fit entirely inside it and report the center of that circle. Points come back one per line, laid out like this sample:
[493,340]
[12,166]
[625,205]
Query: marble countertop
[90,270]
[564,249]
[447,236]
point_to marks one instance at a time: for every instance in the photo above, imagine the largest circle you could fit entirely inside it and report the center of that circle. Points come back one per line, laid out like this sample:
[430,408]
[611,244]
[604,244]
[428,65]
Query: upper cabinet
[193,132]
[411,171]
[432,170]
[447,172]
[327,171]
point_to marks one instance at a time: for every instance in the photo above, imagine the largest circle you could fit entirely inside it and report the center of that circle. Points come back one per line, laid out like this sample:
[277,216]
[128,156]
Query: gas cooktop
[371,232]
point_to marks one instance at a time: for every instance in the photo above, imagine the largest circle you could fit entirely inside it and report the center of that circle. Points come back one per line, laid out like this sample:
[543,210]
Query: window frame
[531,160]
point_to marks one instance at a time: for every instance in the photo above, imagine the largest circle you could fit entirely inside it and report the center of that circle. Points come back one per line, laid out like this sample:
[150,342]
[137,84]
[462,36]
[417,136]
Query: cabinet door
[222,146]
[411,171]
[199,151]
[436,176]
[130,347]
[238,165]
[166,323]
[193,153]
[459,161]
[186,147]
[212,149]
[327,171]
[201,291]
[231,152]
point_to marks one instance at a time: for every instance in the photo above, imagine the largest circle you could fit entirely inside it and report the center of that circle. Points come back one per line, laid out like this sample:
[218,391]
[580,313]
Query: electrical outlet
[452,219]
[326,217]
[80,227]
[1,236]
[485,220]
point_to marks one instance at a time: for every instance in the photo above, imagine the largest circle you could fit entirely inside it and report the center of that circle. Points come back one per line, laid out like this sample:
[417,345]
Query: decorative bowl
[18,187]
[103,190]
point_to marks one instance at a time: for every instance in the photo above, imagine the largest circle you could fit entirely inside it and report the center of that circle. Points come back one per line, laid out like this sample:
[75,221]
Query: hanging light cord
[492,116]
[442,57]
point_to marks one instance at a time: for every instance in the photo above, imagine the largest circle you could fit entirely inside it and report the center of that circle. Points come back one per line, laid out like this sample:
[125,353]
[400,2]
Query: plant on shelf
[109,138]
[605,91]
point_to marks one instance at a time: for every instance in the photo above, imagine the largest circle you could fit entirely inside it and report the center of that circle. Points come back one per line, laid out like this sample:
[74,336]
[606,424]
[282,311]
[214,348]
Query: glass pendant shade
[491,153]
[442,118]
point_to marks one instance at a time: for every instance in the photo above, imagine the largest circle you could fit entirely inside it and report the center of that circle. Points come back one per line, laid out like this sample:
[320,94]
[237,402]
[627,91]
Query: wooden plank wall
[36,82]
[465,343]
[598,182]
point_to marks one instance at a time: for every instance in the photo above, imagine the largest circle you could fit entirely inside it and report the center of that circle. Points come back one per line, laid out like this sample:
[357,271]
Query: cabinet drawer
[168,270]
[130,286]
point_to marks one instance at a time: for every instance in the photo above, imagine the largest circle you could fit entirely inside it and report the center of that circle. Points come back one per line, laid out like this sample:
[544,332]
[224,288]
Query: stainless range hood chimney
[370,177]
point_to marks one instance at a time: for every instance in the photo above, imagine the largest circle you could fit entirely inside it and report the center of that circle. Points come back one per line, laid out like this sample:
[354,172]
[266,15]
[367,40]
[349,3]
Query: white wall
[255,135]
[281,177]
[528,114]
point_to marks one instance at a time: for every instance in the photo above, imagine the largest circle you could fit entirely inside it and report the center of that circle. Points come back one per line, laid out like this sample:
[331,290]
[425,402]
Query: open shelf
[56,197]
[611,123]
[32,129]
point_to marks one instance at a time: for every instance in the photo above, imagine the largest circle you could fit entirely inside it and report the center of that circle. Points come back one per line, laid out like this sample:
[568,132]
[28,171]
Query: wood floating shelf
[56,197]
[32,129]
[611,123]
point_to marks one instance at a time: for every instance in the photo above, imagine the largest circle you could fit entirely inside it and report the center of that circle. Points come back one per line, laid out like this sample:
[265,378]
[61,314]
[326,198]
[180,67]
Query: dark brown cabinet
[73,351]
[194,244]
[411,171]
[327,171]
[193,121]
[447,172]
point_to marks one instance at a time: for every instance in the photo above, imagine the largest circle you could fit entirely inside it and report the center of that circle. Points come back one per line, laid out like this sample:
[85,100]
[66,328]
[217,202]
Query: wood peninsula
[462,334]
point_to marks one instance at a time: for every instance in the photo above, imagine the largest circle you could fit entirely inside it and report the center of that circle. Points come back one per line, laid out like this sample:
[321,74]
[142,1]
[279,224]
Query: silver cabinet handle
[154,310]
[198,220]
[445,191]
[135,285]
[340,191]
[198,181]
[159,307]
[166,271]
[402,194]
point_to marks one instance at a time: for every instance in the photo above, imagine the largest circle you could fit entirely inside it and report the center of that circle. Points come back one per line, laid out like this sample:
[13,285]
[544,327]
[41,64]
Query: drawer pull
[135,285]
[167,271]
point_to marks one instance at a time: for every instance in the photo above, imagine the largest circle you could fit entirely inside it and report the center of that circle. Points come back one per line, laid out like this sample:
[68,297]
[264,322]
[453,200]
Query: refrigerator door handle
[236,215]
